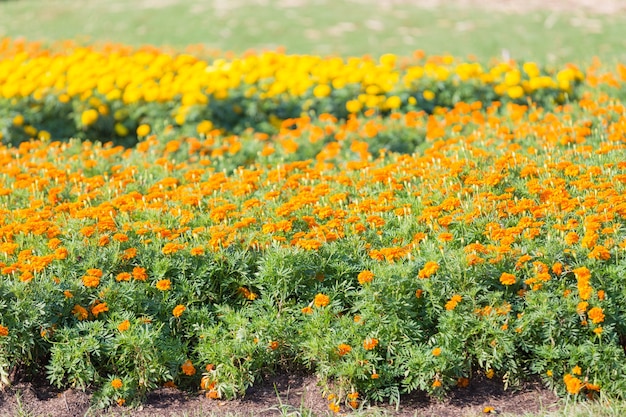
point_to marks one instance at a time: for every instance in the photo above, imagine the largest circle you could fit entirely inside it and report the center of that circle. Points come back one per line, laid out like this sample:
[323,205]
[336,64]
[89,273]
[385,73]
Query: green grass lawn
[324,27]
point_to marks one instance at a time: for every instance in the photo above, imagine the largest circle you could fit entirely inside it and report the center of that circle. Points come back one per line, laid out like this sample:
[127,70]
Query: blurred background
[548,31]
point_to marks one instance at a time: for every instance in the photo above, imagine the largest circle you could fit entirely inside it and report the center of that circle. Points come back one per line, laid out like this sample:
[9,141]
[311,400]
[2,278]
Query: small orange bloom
[139,273]
[117,383]
[80,312]
[343,349]
[507,279]
[370,343]
[91,281]
[164,284]
[4,331]
[188,368]
[436,351]
[429,269]
[123,326]
[321,300]
[365,277]
[99,308]
[178,310]
[123,276]
[596,315]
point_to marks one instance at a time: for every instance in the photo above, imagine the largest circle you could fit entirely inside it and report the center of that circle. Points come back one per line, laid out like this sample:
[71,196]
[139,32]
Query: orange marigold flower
[321,300]
[61,253]
[197,251]
[91,281]
[99,308]
[164,284]
[577,370]
[428,270]
[343,349]
[571,238]
[596,315]
[507,279]
[178,310]
[307,310]
[365,277]
[572,384]
[139,273]
[123,276]
[68,294]
[436,351]
[370,343]
[273,345]
[117,383]
[600,252]
[436,383]
[123,326]
[452,303]
[582,273]
[557,268]
[188,368]
[129,254]
[462,382]
[4,331]
[601,295]
[80,312]
[171,248]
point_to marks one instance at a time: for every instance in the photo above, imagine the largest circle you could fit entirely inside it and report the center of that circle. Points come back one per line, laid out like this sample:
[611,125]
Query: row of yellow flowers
[107,92]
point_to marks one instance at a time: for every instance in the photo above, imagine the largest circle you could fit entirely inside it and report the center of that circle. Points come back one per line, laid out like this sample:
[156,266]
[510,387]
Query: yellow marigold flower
[44,135]
[204,127]
[4,331]
[507,279]
[117,383]
[18,120]
[343,349]
[353,106]
[365,277]
[515,92]
[178,310]
[120,130]
[577,370]
[393,102]
[123,326]
[89,117]
[164,284]
[143,130]
[188,368]
[428,95]
[322,90]
[596,315]
[321,300]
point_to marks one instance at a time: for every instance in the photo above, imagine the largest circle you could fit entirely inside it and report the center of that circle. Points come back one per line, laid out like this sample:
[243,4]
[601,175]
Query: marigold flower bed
[395,250]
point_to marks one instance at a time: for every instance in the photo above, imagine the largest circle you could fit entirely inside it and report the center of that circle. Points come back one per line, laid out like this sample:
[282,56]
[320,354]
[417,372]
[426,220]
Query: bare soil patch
[276,395]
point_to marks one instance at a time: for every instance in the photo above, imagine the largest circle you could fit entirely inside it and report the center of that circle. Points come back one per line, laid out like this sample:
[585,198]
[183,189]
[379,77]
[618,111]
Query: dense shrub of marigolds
[385,253]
